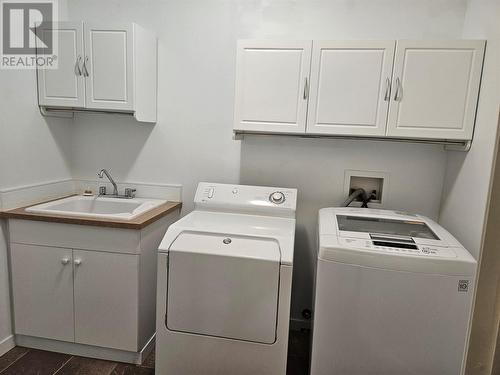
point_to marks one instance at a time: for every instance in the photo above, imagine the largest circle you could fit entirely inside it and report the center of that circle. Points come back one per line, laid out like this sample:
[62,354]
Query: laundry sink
[98,207]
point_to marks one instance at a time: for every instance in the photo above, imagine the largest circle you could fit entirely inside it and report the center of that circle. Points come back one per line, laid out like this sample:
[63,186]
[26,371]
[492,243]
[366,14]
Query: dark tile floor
[24,361]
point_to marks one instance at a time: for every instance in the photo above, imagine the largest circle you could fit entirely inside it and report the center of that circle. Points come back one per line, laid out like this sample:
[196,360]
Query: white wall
[467,182]
[316,167]
[32,150]
[193,138]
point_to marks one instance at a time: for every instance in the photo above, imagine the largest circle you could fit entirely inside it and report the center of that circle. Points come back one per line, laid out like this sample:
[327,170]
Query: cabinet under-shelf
[451,145]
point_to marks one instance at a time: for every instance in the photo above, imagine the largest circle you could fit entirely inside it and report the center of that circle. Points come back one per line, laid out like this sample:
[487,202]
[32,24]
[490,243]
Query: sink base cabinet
[76,300]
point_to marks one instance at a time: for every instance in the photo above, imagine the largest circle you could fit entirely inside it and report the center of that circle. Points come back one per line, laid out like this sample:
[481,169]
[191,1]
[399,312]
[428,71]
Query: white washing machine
[224,283]
[393,295]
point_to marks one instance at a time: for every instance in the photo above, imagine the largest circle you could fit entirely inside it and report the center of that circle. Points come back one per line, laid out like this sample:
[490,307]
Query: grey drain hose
[357,193]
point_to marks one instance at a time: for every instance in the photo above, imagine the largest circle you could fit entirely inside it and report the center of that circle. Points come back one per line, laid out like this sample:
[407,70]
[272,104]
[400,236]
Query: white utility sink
[98,207]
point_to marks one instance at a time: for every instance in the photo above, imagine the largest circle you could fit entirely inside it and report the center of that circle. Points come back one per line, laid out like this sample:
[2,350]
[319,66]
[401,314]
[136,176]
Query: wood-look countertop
[138,222]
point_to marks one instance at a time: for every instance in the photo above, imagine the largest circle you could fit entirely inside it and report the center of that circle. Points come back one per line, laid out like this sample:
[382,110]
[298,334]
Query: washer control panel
[423,250]
[245,198]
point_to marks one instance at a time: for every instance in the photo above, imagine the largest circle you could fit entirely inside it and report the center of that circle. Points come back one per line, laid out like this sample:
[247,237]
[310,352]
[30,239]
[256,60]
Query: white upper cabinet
[424,90]
[350,87]
[271,86]
[64,86]
[109,60]
[435,89]
[103,68]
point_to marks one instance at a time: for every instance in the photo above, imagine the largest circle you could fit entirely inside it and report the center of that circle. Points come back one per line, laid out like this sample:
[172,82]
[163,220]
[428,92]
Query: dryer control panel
[271,201]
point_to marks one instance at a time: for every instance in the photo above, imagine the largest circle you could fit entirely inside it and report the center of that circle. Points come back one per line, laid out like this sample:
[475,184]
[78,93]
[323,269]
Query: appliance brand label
[463,285]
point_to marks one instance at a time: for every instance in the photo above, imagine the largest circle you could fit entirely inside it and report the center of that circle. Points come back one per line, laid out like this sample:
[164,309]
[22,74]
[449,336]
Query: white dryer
[393,295]
[224,283]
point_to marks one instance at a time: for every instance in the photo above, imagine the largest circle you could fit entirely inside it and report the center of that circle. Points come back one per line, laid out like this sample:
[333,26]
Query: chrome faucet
[105,172]
[129,192]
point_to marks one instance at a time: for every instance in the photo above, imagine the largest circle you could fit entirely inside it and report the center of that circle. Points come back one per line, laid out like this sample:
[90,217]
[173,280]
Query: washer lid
[390,240]
[224,288]
[399,228]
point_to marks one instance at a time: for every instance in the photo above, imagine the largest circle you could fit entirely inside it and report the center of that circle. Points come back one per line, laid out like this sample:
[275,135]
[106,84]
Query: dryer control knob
[277,197]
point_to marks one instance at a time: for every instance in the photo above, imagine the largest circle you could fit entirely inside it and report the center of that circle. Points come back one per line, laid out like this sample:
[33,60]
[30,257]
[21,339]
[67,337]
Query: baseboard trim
[115,355]
[148,348]
[7,344]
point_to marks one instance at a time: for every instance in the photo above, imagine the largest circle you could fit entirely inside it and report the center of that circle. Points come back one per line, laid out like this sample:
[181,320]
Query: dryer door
[224,286]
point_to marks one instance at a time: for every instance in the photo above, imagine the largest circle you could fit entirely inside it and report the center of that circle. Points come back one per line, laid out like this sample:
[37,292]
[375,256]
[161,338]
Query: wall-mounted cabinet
[271,85]
[436,88]
[424,90]
[350,84]
[110,68]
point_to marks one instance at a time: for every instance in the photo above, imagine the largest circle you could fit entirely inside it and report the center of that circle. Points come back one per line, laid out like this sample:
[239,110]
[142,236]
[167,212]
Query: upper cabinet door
[109,63]
[435,89]
[271,86]
[64,86]
[350,87]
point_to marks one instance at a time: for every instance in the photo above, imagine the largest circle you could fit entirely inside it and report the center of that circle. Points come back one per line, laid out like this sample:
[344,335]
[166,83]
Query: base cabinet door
[106,299]
[64,86]
[271,86]
[350,87]
[42,290]
[435,88]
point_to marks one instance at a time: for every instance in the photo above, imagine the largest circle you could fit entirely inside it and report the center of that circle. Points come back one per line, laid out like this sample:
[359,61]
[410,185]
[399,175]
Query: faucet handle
[130,193]
[102,190]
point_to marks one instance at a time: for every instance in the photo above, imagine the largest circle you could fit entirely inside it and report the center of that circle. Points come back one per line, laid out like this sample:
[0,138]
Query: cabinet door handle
[397,97]
[65,261]
[85,71]
[78,70]
[387,95]
[306,88]
[77,262]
